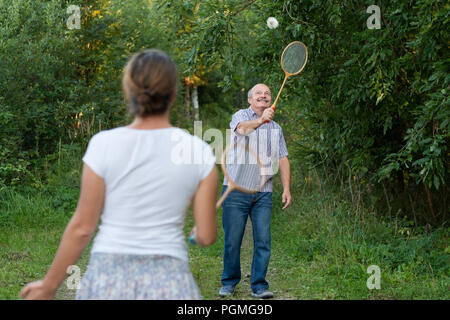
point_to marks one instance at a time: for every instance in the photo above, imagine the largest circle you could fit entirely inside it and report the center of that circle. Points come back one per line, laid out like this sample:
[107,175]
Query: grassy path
[246,262]
[320,250]
[243,290]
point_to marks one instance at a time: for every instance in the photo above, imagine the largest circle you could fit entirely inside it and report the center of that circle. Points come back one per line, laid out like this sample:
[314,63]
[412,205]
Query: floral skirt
[137,277]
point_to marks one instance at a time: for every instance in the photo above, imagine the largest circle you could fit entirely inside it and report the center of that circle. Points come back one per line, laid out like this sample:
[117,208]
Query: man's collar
[252,112]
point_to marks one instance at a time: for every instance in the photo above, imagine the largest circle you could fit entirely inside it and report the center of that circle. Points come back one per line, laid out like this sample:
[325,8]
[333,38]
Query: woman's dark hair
[149,82]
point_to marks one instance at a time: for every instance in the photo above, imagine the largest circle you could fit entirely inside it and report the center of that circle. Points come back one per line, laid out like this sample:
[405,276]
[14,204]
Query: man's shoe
[226,291]
[262,294]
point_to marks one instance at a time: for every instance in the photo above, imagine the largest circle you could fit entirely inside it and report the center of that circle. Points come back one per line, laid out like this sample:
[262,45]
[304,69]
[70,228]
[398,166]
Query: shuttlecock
[272,23]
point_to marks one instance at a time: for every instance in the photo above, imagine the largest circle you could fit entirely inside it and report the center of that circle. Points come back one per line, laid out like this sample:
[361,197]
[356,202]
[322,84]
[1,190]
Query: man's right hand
[267,115]
[247,127]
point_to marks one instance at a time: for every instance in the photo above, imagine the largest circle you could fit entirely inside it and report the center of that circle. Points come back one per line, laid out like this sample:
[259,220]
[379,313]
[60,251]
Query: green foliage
[61,85]
[371,109]
[371,103]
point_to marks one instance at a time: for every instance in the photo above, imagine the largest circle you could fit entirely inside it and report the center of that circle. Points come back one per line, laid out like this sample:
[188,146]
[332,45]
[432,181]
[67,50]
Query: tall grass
[33,218]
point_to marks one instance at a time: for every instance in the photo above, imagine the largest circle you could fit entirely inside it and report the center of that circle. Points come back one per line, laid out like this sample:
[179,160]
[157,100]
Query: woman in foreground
[139,180]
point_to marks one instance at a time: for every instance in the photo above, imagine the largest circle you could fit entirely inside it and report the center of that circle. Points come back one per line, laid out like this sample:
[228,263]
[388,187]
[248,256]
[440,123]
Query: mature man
[238,206]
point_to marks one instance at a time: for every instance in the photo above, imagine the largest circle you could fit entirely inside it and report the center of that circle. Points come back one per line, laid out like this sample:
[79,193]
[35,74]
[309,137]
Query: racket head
[294,58]
[243,168]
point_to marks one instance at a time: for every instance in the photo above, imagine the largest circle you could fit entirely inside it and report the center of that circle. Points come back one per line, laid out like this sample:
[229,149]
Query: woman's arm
[77,235]
[204,204]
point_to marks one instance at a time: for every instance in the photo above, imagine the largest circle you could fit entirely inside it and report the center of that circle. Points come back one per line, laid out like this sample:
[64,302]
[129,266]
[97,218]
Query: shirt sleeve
[94,156]
[237,118]
[209,160]
[283,152]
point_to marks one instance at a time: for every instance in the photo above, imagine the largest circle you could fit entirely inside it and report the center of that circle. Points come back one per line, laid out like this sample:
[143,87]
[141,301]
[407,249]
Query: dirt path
[243,290]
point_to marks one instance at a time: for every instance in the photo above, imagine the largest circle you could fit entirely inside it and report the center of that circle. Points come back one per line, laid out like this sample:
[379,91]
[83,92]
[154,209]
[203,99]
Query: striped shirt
[267,141]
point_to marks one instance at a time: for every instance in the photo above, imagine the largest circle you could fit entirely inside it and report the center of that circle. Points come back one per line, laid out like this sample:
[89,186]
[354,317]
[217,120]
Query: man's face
[261,97]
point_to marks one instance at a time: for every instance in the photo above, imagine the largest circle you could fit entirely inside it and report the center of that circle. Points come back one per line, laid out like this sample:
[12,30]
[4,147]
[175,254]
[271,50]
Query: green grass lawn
[321,248]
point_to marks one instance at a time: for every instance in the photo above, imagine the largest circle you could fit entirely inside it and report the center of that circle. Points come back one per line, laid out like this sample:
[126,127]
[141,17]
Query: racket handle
[192,236]
[222,199]
[273,108]
[192,239]
[279,92]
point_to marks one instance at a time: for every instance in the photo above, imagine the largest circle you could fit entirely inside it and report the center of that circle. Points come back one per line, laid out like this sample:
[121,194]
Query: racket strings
[294,58]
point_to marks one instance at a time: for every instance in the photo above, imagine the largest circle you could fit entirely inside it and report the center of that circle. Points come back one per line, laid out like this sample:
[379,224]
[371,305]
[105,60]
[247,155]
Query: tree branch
[243,8]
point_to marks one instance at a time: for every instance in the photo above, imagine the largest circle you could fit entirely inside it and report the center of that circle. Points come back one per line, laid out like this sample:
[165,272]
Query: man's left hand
[286,199]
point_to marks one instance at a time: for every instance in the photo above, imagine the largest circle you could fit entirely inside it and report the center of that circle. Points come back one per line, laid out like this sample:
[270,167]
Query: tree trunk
[195,103]
[430,202]
[187,100]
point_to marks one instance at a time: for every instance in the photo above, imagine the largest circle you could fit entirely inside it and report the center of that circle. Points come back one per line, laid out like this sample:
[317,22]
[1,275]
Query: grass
[321,246]
[321,251]
[30,230]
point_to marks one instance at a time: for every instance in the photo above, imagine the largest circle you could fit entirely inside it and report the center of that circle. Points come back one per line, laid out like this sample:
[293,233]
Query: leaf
[436,182]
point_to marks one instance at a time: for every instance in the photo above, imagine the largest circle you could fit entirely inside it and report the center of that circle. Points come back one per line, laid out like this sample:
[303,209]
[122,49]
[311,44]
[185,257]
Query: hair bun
[144,98]
[152,103]
[149,82]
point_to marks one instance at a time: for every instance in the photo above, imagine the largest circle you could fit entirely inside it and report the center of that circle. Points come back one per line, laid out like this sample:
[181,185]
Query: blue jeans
[236,209]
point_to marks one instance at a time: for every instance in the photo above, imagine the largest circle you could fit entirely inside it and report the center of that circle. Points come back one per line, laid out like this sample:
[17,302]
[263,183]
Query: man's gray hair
[249,94]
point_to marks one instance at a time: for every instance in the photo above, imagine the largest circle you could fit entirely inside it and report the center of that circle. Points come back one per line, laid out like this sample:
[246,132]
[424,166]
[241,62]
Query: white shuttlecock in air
[272,23]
